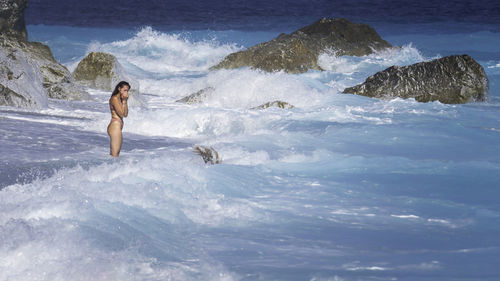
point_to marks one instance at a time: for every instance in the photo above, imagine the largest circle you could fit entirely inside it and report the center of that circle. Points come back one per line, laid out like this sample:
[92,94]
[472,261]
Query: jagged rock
[197,97]
[298,52]
[28,71]
[452,80]
[21,82]
[12,19]
[279,104]
[57,79]
[209,154]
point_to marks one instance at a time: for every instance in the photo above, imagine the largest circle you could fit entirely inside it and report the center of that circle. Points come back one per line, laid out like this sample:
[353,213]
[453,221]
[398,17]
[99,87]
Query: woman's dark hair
[120,85]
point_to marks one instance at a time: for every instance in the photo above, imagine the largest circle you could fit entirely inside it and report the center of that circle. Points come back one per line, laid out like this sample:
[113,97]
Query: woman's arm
[121,108]
[125,107]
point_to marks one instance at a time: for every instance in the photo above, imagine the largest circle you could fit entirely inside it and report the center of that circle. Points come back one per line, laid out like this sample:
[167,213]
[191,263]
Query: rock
[282,53]
[57,79]
[102,71]
[299,51]
[12,19]
[208,154]
[278,104]
[452,80]
[197,97]
[29,73]
[21,81]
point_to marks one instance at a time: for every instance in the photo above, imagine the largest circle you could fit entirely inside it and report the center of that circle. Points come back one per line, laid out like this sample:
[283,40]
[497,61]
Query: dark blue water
[256,14]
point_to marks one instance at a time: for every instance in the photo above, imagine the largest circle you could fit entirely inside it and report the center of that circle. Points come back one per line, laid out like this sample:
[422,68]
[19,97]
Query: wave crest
[159,52]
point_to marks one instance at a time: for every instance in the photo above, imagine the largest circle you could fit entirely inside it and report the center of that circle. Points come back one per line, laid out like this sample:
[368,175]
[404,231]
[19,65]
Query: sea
[338,188]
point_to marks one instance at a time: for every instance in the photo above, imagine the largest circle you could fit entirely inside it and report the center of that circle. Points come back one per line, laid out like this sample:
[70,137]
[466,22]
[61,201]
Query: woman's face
[123,91]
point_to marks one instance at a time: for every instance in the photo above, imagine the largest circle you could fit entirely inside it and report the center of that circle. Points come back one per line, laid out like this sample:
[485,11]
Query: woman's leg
[115,135]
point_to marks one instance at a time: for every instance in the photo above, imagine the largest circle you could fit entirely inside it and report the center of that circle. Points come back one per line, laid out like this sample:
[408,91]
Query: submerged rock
[278,104]
[299,51]
[197,97]
[452,80]
[209,154]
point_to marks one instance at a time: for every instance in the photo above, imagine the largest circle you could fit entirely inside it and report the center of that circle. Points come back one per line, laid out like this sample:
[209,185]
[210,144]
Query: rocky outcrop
[197,97]
[37,59]
[12,19]
[21,82]
[452,80]
[278,104]
[299,51]
[57,79]
[103,71]
[29,74]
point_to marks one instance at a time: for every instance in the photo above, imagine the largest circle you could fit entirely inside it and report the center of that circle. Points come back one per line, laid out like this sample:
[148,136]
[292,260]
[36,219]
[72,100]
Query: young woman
[119,110]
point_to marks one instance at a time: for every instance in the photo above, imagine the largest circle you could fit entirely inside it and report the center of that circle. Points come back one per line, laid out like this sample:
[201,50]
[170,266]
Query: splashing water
[340,187]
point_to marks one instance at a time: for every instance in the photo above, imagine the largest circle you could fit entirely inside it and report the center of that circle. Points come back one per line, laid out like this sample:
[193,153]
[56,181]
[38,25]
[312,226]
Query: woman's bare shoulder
[114,99]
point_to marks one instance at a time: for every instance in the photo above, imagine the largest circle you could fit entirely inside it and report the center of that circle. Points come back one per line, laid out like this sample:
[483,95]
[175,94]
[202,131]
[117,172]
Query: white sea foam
[158,52]
[316,190]
[404,55]
[48,221]
[406,216]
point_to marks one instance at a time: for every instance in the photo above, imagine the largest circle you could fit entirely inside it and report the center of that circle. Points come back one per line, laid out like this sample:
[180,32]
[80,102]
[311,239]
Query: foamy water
[340,187]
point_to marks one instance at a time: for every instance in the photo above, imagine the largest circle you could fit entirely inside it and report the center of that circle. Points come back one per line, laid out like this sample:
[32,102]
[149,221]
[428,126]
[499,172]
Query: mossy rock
[102,71]
[96,70]
[298,52]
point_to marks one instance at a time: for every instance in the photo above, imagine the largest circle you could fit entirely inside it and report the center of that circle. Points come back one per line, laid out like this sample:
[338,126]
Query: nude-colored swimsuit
[117,119]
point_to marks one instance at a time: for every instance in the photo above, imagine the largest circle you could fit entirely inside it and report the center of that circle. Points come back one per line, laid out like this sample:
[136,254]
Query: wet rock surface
[102,71]
[278,104]
[197,97]
[299,51]
[452,80]
[29,74]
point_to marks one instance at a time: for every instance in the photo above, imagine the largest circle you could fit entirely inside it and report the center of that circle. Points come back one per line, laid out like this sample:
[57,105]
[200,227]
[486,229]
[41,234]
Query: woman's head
[120,86]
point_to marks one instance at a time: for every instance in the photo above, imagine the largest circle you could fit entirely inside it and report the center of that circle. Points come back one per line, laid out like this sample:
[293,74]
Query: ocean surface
[339,188]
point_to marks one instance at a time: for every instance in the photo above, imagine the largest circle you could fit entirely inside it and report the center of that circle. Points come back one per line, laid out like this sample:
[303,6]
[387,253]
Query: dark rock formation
[209,154]
[298,52]
[12,19]
[278,104]
[452,80]
[197,97]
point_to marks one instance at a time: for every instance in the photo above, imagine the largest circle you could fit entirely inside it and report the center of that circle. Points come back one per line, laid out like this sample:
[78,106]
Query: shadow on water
[34,150]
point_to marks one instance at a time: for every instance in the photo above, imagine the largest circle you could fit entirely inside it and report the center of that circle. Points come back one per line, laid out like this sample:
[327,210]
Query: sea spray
[340,187]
